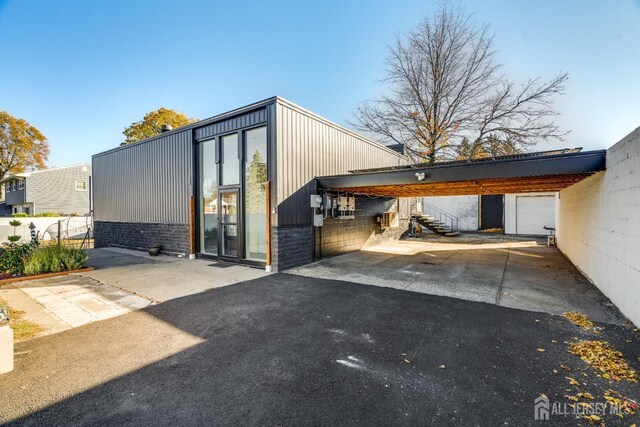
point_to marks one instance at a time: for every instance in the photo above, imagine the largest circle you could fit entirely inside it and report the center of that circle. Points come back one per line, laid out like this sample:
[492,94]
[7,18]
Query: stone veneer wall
[174,238]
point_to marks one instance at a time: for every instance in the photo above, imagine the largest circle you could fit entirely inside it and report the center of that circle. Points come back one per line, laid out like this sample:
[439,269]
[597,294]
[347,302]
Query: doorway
[228,217]
[491,212]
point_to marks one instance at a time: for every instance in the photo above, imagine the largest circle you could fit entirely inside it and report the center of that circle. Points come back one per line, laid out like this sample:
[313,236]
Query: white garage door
[533,213]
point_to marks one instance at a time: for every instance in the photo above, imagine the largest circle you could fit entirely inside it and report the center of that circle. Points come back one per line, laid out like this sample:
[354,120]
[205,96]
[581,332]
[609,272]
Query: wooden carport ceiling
[525,173]
[536,184]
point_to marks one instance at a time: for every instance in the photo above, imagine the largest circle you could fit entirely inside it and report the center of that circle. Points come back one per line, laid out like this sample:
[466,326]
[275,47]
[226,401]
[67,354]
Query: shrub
[55,258]
[12,257]
[19,215]
[46,214]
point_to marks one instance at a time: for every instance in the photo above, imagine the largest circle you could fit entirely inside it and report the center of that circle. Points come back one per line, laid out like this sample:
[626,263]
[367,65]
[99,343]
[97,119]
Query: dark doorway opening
[492,212]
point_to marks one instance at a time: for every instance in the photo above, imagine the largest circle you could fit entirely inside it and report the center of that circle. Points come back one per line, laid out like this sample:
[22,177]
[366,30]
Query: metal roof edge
[203,122]
[414,169]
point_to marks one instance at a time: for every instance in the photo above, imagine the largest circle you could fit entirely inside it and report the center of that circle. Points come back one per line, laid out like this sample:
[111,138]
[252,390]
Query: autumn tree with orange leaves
[449,100]
[22,146]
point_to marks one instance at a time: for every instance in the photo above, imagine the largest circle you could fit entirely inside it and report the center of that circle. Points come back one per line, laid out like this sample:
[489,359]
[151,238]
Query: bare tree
[449,99]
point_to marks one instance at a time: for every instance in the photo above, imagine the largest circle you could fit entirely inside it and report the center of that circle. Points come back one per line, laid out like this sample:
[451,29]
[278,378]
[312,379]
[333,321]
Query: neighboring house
[521,213]
[64,190]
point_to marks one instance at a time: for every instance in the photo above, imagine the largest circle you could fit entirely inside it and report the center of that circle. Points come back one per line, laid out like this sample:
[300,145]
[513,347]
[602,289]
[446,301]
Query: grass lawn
[22,329]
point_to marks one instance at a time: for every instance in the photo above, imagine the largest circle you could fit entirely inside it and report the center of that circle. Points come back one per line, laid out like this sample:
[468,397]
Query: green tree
[151,124]
[22,146]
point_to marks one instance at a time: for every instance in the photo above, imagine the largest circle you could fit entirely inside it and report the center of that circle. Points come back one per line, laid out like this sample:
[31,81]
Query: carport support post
[267,191]
[192,227]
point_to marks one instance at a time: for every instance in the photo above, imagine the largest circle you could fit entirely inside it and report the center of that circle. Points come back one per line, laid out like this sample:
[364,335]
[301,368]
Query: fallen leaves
[572,381]
[604,357]
[541,350]
[623,404]
[581,320]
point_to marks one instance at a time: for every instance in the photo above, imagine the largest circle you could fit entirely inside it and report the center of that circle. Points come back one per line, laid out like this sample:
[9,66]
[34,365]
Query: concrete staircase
[436,226]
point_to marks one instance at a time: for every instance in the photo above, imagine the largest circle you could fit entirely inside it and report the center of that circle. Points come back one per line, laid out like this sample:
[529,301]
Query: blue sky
[81,71]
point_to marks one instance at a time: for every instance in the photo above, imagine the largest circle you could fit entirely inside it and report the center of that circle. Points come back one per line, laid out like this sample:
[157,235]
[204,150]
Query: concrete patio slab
[516,272]
[163,278]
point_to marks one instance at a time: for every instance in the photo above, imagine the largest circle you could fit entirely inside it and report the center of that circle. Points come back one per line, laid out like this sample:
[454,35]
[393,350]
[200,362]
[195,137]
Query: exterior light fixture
[420,176]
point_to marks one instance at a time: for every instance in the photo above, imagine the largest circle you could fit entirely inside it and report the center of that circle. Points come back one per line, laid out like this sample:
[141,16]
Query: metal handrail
[444,217]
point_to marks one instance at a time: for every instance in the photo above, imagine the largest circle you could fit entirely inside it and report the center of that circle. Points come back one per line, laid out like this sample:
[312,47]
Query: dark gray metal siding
[309,146]
[146,182]
[234,123]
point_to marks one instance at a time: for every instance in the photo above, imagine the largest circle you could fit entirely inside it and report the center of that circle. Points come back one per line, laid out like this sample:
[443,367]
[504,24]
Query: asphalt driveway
[286,349]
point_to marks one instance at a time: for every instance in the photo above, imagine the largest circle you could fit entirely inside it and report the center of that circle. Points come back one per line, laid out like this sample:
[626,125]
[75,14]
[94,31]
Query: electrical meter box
[343,203]
[351,204]
[329,201]
[316,201]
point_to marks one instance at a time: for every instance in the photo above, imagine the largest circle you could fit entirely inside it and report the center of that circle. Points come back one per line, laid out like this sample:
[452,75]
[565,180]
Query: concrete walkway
[78,300]
[163,278]
[123,281]
[511,272]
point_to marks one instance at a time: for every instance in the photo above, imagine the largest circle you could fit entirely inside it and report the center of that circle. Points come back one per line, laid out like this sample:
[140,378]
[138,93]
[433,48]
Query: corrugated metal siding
[308,146]
[54,190]
[148,182]
[235,123]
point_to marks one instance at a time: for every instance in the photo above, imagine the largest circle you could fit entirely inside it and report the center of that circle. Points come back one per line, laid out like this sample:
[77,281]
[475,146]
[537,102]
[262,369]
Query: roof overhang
[530,173]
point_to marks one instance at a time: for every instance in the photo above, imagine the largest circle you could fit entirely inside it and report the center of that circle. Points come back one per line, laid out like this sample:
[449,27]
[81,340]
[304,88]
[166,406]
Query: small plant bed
[22,329]
[20,261]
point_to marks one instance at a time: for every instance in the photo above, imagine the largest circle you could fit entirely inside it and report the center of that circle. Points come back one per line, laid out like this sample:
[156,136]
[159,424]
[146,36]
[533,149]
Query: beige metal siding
[146,182]
[309,146]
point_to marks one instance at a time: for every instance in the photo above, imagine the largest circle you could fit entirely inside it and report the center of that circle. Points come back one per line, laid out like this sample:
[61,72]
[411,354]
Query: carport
[514,272]
[521,173]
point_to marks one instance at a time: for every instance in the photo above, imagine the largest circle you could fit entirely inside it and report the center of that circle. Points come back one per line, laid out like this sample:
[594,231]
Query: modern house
[236,186]
[64,190]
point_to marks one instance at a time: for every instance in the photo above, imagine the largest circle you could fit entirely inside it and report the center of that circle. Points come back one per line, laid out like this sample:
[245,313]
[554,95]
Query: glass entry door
[228,208]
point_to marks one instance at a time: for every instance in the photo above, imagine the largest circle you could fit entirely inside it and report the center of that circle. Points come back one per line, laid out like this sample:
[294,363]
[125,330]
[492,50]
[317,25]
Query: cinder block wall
[341,236]
[598,226]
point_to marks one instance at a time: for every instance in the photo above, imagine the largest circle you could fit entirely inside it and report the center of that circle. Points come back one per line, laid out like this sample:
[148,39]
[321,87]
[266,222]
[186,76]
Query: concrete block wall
[598,226]
[337,236]
[174,238]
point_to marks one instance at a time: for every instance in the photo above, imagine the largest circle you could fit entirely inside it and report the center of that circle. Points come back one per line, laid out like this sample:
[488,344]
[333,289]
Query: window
[255,194]
[21,184]
[81,185]
[209,198]
[13,186]
[7,187]
[230,160]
